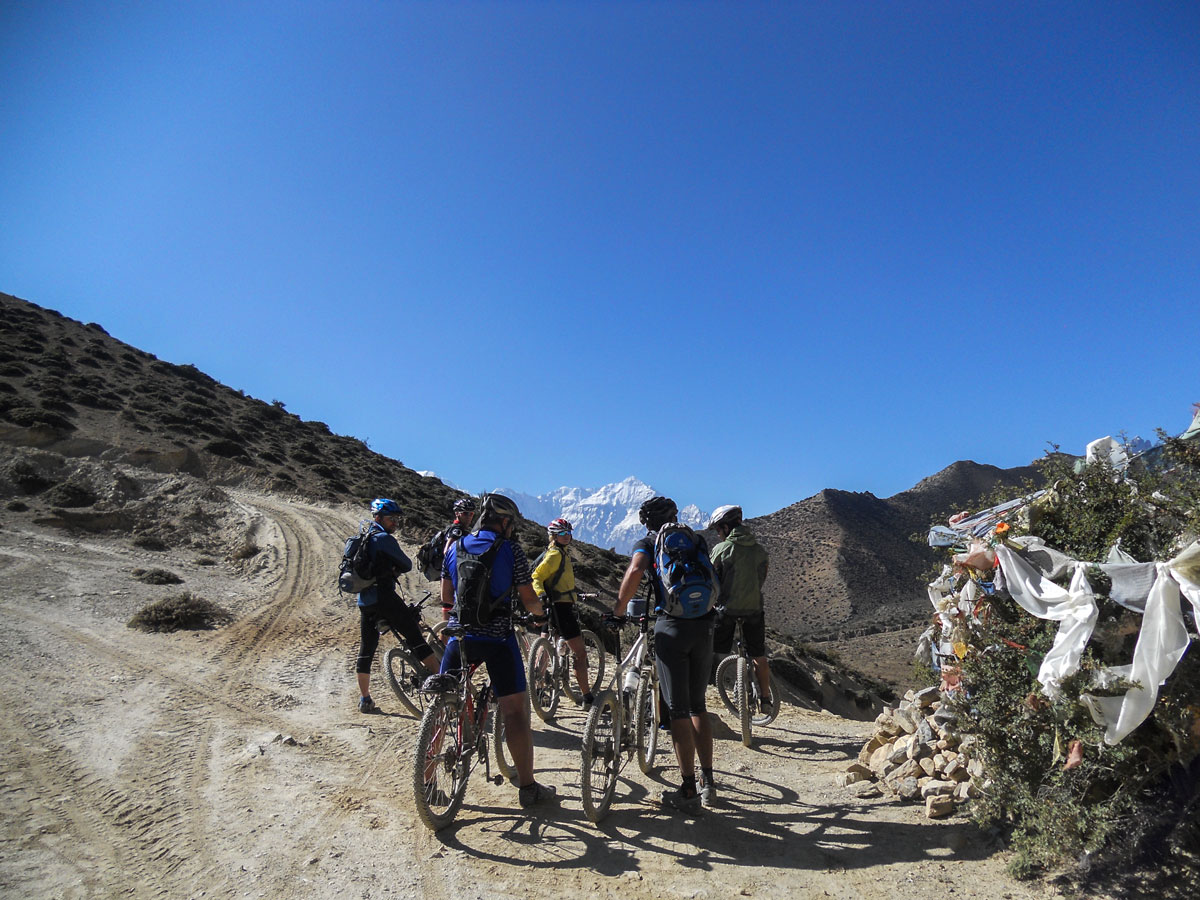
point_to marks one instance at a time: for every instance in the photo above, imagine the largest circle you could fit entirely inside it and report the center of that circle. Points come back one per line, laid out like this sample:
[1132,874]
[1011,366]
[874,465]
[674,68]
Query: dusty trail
[147,765]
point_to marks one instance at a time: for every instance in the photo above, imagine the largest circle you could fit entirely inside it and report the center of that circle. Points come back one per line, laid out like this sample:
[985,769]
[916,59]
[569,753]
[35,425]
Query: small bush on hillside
[150,542]
[247,550]
[70,495]
[156,576]
[205,561]
[182,612]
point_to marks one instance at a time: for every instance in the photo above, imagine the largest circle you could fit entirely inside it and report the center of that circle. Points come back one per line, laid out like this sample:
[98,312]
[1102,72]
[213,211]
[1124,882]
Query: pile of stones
[917,753]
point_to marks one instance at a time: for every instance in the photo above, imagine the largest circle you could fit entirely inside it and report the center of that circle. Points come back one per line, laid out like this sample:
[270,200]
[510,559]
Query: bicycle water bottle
[631,682]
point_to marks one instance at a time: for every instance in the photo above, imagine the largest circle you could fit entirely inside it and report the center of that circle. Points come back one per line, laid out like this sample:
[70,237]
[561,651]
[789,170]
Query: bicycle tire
[543,679]
[594,648]
[405,674]
[441,765]
[743,698]
[646,721]
[727,682]
[504,761]
[601,756]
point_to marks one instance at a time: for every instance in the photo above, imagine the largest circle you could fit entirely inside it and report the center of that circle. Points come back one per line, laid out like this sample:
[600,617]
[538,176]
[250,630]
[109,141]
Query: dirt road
[233,763]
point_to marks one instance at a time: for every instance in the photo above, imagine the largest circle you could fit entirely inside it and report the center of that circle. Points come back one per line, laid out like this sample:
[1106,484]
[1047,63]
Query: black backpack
[473,601]
[552,582]
[430,553]
[354,571]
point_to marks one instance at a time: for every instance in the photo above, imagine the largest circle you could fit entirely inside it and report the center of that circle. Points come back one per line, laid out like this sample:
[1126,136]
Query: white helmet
[725,515]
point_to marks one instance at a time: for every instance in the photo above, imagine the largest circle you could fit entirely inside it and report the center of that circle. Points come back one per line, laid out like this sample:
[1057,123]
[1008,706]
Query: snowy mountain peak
[606,516]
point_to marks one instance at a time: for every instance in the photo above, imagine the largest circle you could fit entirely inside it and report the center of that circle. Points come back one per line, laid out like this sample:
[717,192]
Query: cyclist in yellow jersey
[554,583]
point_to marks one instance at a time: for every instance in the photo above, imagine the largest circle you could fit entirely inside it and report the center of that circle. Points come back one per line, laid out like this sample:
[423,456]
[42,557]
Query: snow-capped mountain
[605,516]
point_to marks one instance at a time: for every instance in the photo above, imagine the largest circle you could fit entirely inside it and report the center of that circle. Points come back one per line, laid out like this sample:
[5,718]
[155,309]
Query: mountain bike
[624,719]
[456,730]
[403,671]
[738,687]
[550,669]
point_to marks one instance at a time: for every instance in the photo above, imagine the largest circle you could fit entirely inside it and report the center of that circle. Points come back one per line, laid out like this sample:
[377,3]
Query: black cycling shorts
[683,649]
[565,620]
[754,633]
[399,616]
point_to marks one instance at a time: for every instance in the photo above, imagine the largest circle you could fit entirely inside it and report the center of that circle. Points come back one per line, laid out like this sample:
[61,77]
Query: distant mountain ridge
[606,516]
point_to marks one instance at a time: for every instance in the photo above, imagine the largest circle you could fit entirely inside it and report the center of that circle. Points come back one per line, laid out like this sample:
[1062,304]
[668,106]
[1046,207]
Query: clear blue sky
[744,251]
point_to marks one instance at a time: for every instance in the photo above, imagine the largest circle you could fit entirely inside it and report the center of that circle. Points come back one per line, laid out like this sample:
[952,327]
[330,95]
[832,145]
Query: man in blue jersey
[381,603]
[683,657]
[495,643]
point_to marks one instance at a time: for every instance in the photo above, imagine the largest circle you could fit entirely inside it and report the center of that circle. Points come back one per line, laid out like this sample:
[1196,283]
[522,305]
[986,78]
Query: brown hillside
[845,563]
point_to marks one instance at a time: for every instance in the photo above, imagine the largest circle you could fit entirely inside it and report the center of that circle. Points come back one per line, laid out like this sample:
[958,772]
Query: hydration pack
[430,555]
[354,571]
[552,582]
[473,601]
[689,583]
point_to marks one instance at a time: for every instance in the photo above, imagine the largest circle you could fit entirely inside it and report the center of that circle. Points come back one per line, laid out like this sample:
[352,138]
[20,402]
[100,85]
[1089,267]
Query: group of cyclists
[684,647]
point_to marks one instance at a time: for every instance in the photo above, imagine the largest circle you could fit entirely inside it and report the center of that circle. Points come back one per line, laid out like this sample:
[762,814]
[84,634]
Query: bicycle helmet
[465,505]
[499,506]
[657,511]
[384,507]
[730,516]
[559,526]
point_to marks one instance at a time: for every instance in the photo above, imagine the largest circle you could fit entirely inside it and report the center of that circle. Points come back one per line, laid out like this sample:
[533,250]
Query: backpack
[430,554]
[473,601]
[690,585]
[354,571]
[552,582]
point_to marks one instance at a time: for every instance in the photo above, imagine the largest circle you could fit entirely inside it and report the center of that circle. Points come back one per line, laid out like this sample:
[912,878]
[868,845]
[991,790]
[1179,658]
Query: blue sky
[745,251]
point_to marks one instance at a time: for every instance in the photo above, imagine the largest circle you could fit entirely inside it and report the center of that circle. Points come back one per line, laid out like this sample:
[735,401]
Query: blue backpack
[690,585]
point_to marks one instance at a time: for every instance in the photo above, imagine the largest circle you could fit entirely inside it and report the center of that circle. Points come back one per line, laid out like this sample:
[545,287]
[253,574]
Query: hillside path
[233,763]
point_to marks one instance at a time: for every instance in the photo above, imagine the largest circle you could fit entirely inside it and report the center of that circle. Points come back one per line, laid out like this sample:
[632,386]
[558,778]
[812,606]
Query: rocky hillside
[850,563]
[69,390]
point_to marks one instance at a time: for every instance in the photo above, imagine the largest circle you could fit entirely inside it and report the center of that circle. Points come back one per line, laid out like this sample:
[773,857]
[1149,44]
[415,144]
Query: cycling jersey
[555,561]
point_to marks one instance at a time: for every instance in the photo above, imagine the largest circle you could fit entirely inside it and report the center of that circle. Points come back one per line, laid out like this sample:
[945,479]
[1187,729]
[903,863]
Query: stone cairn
[917,753]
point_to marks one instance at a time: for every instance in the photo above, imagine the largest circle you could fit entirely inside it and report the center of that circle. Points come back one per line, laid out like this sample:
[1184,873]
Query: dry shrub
[149,542]
[247,550]
[181,612]
[156,576]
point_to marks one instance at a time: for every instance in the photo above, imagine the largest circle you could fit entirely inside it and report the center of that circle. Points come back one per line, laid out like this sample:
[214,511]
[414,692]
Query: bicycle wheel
[727,682]
[743,699]
[601,756]
[645,721]
[441,764]
[504,761]
[757,717]
[405,674]
[594,648]
[542,676]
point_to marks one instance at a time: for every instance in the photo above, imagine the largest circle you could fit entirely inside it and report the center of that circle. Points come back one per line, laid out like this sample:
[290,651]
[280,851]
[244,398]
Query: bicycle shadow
[755,823]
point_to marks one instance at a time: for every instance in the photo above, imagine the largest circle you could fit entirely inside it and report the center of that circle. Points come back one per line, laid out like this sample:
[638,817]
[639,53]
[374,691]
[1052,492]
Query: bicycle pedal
[497,780]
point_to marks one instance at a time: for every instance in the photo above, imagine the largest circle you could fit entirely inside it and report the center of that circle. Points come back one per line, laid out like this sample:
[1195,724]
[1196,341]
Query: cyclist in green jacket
[741,565]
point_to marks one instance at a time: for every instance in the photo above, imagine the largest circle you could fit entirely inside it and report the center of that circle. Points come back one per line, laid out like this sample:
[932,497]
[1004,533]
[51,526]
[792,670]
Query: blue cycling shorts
[502,657]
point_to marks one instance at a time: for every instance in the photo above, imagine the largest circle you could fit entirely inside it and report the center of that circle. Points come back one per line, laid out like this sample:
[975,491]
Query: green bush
[1124,818]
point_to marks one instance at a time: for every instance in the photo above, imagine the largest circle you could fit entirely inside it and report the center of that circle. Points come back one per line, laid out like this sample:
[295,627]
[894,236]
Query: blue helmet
[384,507]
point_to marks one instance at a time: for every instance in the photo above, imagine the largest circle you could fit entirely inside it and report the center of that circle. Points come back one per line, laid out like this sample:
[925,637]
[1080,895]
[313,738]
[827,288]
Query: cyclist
[683,653]
[495,643]
[465,509]
[554,583]
[380,602]
[741,565]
